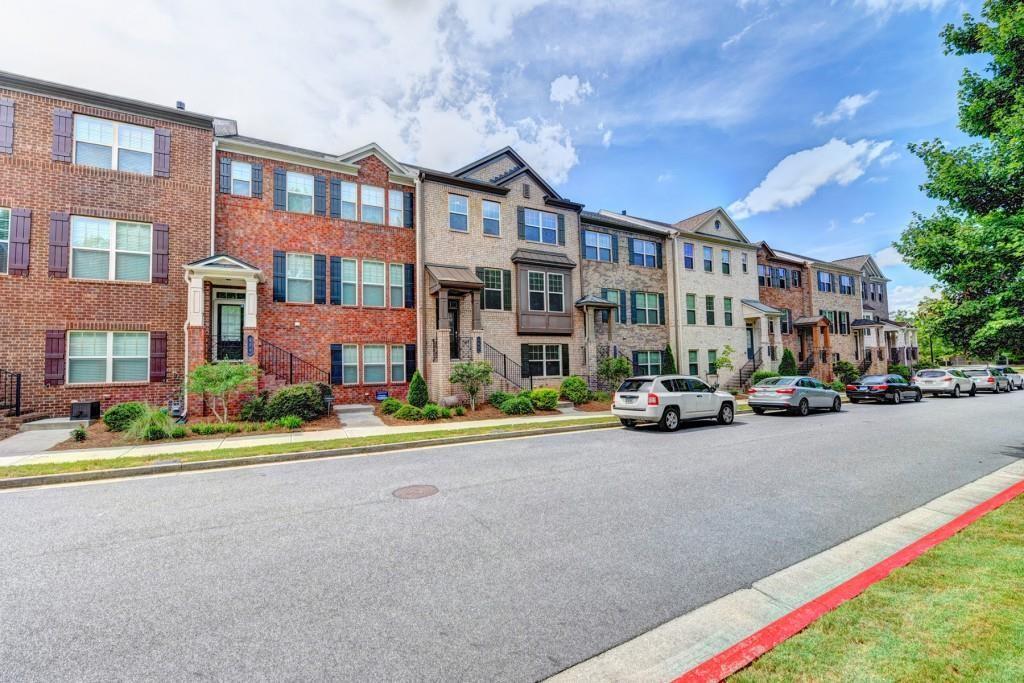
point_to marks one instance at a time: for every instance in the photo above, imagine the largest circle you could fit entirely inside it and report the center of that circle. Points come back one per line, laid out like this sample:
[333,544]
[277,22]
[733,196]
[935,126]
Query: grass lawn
[273,449]
[954,614]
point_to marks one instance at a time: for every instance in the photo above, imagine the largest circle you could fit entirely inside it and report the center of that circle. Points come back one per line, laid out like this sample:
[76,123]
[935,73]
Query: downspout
[213,225]
[419,277]
[677,332]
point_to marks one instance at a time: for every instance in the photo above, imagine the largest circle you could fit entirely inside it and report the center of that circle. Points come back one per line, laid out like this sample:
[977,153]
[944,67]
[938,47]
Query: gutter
[419,274]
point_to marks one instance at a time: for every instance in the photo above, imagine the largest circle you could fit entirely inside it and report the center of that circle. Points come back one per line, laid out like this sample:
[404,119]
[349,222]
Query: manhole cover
[414,491]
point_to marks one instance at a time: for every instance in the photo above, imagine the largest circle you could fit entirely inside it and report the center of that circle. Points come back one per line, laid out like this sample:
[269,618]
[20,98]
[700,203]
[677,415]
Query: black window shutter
[410,285]
[409,209]
[162,152]
[561,229]
[615,248]
[636,361]
[524,357]
[157,356]
[225,175]
[20,237]
[319,279]
[336,364]
[335,197]
[320,195]
[6,125]
[336,280]
[280,189]
[661,309]
[657,246]
[257,181]
[53,363]
[60,236]
[63,128]
[521,220]
[506,287]
[161,253]
[632,297]
[280,273]
[622,306]
[632,258]
[410,361]
[565,360]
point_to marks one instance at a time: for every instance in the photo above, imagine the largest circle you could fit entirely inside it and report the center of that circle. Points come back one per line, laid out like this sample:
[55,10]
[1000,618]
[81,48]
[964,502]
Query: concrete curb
[172,467]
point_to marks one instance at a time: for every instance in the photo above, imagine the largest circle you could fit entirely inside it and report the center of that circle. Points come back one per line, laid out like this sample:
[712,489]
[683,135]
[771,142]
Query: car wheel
[628,424]
[726,414]
[758,411]
[974,391]
[837,405]
[956,391]
[918,396]
[669,420]
[804,408]
[897,398]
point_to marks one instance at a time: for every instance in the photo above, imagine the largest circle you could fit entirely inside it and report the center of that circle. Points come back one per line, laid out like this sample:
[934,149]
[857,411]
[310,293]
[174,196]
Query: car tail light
[851,387]
[991,380]
[913,380]
[652,399]
[752,390]
[785,391]
[879,387]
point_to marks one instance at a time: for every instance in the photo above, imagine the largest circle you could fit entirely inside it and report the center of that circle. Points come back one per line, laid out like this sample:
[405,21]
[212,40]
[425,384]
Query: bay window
[103,249]
[546,291]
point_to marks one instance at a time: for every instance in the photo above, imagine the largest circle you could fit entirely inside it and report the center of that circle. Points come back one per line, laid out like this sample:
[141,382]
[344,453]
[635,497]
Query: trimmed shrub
[152,424]
[178,432]
[446,413]
[544,399]
[119,416]
[255,409]
[459,411]
[78,433]
[838,385]
[574,388]
[787,366]
[601,397]
[431,411]
[409,412]
[613,370]
[303,400]
[901,370]
[389,406]
[846,372]
[498,398]
[517,405]
[290,422]
[762,374]
[418,396]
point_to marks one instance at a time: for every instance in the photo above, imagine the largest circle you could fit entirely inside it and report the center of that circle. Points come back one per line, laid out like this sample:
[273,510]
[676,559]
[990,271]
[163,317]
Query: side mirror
[714,387]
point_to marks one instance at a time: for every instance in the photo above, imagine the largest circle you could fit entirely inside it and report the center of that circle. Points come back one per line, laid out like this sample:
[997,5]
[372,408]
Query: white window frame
[709,299]
[349,363]
[5,242]
[826,284]
[743,261]
[726,262]
[396,209]
[688,246]
[530,290]
[846,283]
[597,246]
[364,204]
[484,217]
[560,277]
[112,250]
[349,207]
[647,366]
[288,191]
[392,364]
[383,365]
[548,276]
[727,315]
[237,166]
[500,289]
[646,249]
[114,145]
[539,225]
[400,285]
[612,295]
[288,279]
[354,281]
[689,309]
[546,357]
[453,212]
[382,284]
[645,306]
[709,259]
[108,357]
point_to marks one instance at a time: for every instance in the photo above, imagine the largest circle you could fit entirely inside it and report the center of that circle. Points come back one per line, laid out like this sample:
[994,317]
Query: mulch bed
[484,411]
[594,406]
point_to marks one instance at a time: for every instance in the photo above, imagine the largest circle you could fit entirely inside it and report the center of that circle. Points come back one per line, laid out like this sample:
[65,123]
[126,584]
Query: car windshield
[636,385]
[976,373]
[932,373]
[775,381]
[874,379]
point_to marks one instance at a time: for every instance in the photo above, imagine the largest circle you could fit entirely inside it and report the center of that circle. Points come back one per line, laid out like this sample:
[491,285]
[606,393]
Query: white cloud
[888,7]
[846,108]
[907,297]
[888,159]
[832,225]
[797,177]
[863,218]
[569,90]
[877,179]
[740,35]
[888,257]
[665,177]
[606,139]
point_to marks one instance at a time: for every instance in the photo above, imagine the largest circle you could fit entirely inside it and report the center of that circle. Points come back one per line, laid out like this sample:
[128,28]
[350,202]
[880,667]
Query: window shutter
[524,357]
[63,127]
[410,361]
[20,236]
[280,273]
[657,247]
[615,248]
[632,296]
[521,220]
[336,280]
[661,309]
[409,209]
[162,152]
[632,257]
[605,313]
[561,229]
[319,279]
[53,371]
[60,235]
[636,362]
[257,181]
[6,125]
[336,364]
[565,360]
[320,195]
[335,197]
[225,175]
[410,286]
[506,289]
[161,253]
[157,356]
[622,306]
[280,189]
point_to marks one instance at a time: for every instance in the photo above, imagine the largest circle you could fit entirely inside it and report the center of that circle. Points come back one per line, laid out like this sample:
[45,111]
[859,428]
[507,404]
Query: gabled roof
[694,223]
[373,149]
[602,220]
[650,224]
[761,307]
[865,264]
[781,255]
[221,261]
[594,301]
[518,159]
[229,138]
[790,256]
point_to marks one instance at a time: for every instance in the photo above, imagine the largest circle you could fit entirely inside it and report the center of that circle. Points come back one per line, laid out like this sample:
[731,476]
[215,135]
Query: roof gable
[714,223]
[373,149]
[502,167]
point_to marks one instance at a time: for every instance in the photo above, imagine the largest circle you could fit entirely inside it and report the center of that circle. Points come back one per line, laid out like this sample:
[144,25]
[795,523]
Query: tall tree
[973,244]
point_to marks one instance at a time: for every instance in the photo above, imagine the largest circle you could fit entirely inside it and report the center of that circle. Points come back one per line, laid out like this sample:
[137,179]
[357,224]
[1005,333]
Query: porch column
[195,340]
[777,341]
[477,325]
[250,334]
[765,341]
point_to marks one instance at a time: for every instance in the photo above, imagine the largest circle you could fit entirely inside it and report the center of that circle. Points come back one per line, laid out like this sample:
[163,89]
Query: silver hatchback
[987,379]
[939,381]
[797,395]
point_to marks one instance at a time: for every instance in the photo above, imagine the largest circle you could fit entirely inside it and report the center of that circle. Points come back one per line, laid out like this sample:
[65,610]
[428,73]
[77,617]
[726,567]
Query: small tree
[472,377]
[846,371]
[724,360]
[668,361]
[787,366]
[418,395]
[221,381]
[613,370]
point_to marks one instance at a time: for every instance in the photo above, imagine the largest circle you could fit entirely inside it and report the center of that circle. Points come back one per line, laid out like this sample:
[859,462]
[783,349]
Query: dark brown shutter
[6,125]
[161,253]
[157,356]
[521,221]
[409,209]
[257,181]
[53,371]
[21,235]
[60,235]
[224,176]
[162,152]
[63,127]
[506,289]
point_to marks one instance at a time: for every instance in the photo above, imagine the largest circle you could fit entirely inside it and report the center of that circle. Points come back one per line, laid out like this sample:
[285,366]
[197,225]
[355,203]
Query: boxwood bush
[544,399]
[574,388]
[304,400]
[762,374]
[498,398]
[119,416]
[390,406]
[517,405]
[409,412]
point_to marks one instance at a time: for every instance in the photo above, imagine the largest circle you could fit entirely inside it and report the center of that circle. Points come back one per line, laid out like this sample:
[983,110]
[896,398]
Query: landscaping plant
[544,399]
[787,366]
[459,411]
[517,405]
[613,370]
[255,409]
[668,361]
[762,374]
[838,385]
[178,432]
[574,389]
[303,400]
[290,421]
[846,372]
[152,424]
[499,397]
[418,396]
[431,411]
[472,376]
[901,370]
[218,382]
[78,433]
[409,412]
[390,406]
[601,396]
[724,359]
[119,416]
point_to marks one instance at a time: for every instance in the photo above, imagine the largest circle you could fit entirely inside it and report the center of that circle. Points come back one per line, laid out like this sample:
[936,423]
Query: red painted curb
[733,659]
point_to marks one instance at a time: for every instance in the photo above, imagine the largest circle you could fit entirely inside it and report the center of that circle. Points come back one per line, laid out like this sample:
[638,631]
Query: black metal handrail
[808,364]
[503,366]
[283,364]
[10,392]
[748,369]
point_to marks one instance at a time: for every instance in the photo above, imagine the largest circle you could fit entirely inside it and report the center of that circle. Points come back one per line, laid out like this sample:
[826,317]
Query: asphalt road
[534,555]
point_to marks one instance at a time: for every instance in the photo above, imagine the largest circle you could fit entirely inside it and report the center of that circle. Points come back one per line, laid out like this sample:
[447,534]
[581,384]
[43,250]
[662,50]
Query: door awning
[452,277]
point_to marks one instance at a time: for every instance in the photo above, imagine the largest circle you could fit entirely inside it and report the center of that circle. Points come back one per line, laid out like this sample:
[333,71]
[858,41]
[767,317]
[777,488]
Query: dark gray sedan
[797,395]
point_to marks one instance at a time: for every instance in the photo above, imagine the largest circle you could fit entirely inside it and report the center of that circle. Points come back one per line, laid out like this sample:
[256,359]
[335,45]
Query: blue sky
[795,115]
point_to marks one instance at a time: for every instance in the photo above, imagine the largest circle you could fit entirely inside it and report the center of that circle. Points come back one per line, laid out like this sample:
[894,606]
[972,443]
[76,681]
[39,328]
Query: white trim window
[709,259]
[541,226]
[556,293]
[647,309]
[648,362]
[299,281]
[349,199]
[396,208]
[372,204]
[546,291]
[645,253]
[103,249]
[349,364]
[545,360]
[299,192]
[535,285]
[458,213]
[597,246]
[688,255]
[726,262]
[398,364]
[375,367]
[373,284]
[396,284]
[493,298]
[743,261]
[241,179]
[612,295]
[846,285]
[107,357]
[492,218]
[5,237]
[110,144]
[349,282]
[824,281]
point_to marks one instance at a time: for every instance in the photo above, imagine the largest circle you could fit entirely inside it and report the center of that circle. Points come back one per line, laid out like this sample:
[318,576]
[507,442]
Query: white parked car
[938,381]
[1016,379]
[668,400]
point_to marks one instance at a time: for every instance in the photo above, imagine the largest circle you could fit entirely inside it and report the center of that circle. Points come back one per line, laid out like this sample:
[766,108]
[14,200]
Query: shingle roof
[592,218]
[759,306]
[853,261]
[693,222]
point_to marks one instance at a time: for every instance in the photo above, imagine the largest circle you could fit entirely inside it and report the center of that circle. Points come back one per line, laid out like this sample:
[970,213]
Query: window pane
[91,265]
[492,299]
[373,272]
[397,271]
[3,257]
[457,221]
[300,203]
[87,344]
[82,371]
[87,154]
[130,370]
[396,203]
[532,233]
[90,232]
[134,138]
[373,295]
[398,363]
[373,204]
[300,266]
[134,162]
[492,210]
[241,171]
[240,187]
[300,183]
[133,237]
[348,192]
[5,224]
[133,267]
[97,131]
[300,291]
[373,354]
[458,204]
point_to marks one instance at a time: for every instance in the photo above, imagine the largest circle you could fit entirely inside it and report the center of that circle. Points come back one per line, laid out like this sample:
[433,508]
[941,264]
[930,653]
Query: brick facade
[795,300]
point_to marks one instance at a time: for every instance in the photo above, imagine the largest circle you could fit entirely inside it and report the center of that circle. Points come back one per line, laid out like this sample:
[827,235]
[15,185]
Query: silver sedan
[953,382]
[797,395]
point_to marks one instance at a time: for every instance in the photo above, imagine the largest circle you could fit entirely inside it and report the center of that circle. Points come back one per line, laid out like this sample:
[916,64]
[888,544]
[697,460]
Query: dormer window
[718,224]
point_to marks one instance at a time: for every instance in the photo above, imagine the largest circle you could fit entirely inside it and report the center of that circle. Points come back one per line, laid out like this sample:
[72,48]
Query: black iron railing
[286,366]
[807,365]
[503,366]
[10,392]
[748,369]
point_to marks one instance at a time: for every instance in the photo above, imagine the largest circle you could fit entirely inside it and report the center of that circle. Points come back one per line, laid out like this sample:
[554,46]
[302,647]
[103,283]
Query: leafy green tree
[787,366]
[418,395]
[668,363]
[613,370]
[724,359]
[218,382]
[472,377]
[973,244]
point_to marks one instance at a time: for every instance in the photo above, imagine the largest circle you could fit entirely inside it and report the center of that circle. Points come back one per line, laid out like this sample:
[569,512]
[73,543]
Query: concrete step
[52,423]
[12,421]
[349,408]
[564,404]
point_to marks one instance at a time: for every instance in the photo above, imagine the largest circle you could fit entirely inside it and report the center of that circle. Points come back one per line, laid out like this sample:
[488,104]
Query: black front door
[750,343]
[453,327]
[229,332]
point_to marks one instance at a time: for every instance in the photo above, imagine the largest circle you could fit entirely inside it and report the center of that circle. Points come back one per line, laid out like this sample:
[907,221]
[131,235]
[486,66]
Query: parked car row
[669,400]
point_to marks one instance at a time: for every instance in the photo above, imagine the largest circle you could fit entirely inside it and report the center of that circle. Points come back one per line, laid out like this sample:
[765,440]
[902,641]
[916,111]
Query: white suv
[670,399]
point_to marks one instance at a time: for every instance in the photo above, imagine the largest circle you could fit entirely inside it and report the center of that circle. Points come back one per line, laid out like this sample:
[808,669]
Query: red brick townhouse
[313,269]
[103,200]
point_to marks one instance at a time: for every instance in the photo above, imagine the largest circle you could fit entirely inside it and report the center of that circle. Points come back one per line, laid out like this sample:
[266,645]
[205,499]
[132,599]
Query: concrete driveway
[535,553]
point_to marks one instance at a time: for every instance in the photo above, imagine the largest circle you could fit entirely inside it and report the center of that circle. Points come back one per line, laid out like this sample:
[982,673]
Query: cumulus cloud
[888,257]
[863,218]
[665,177]
[888,7]
[846,108]
[797,177]
[907,297]
[606,139]
[569,89]
[888,159]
